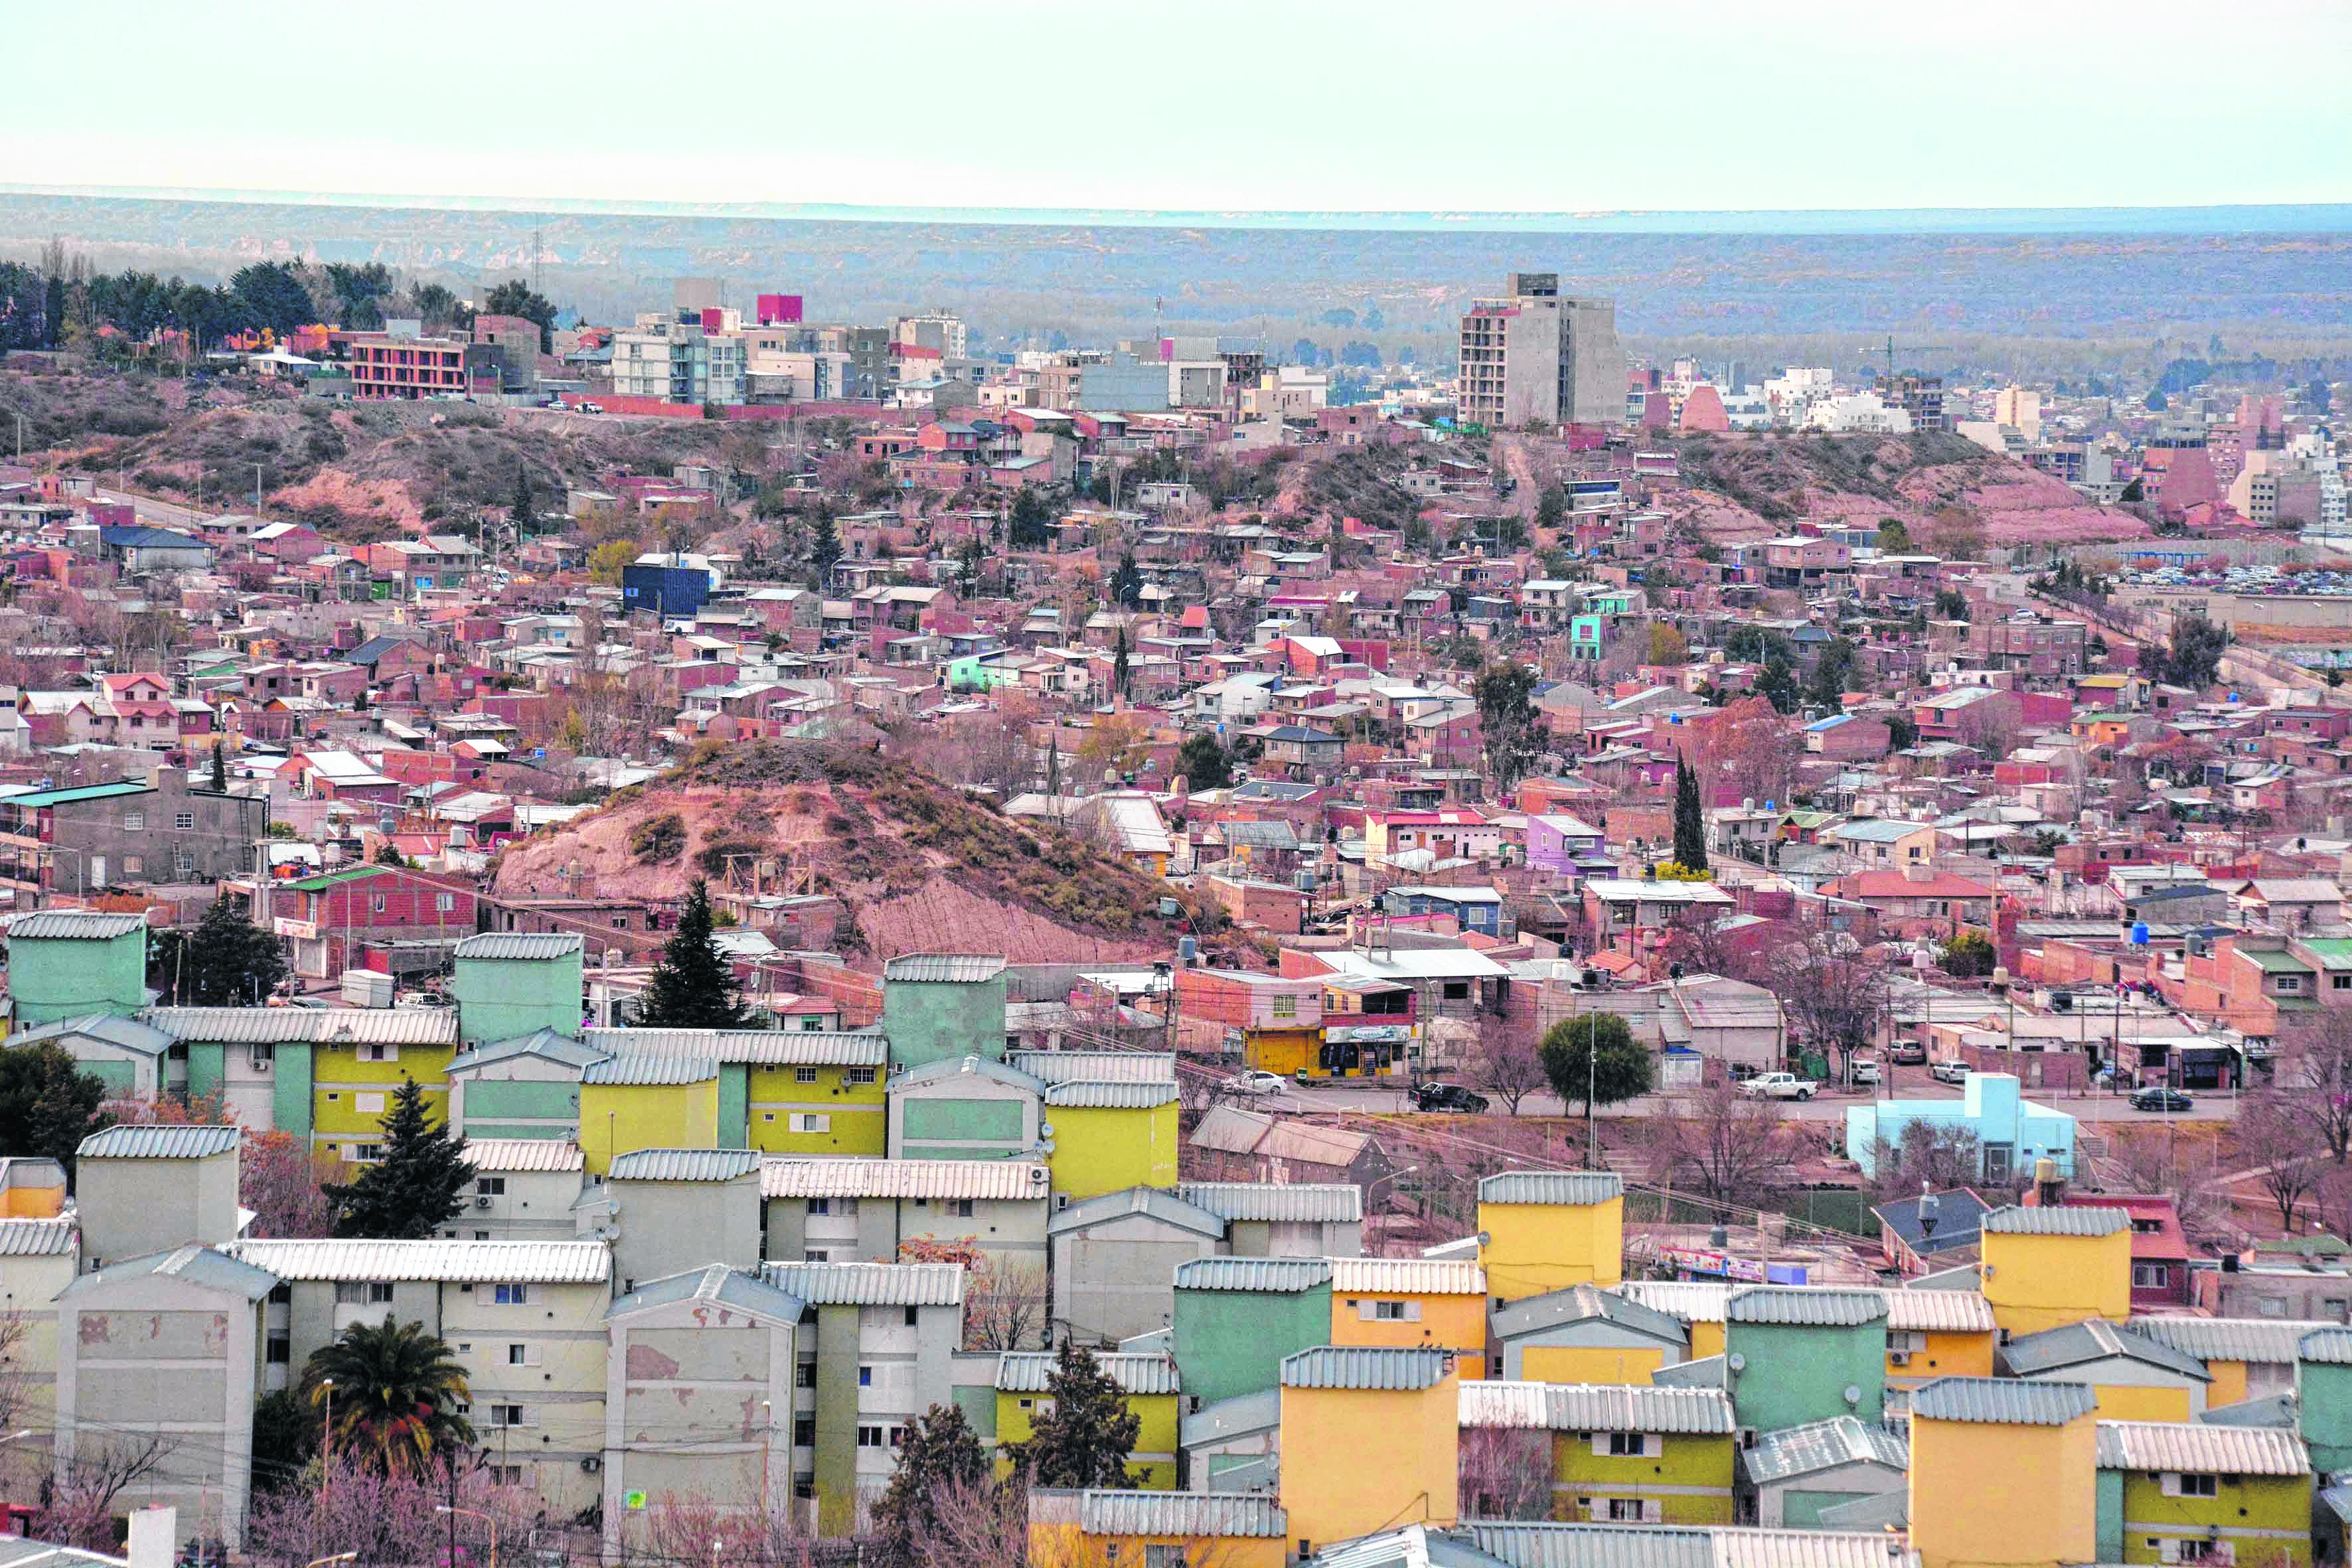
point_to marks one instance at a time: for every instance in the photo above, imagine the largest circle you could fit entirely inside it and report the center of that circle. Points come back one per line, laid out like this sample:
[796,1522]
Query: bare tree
[2317,1079]
[1928,1158]
[2293,1157]
[1731,1149]
[1004,1306]
[2147,1160]
[1505,1473]
[1833,993]
[79,1510]
[1505,1062]
[696,1528]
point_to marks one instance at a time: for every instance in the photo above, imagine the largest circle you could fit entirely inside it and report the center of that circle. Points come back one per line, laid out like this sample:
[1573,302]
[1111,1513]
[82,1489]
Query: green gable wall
[734,1105]
[53,978]
[290,1089]
[1231,1343]
[1800,1373]
[934,1020]
[500,998]
[207,1068]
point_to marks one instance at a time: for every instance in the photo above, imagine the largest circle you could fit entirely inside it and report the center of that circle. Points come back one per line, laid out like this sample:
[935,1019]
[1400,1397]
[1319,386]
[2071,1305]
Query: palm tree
[396,1393]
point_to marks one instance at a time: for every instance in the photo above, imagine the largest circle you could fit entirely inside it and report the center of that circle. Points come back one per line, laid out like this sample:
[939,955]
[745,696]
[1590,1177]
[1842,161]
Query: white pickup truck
[1779,1086]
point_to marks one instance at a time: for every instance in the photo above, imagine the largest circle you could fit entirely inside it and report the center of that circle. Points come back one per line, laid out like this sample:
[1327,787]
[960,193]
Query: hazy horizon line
[2281,217]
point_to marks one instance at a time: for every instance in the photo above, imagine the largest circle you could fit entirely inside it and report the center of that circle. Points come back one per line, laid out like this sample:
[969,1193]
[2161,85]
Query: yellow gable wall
[1358,1460]
[1533,1249]
[1991,1494]
[2037,1282]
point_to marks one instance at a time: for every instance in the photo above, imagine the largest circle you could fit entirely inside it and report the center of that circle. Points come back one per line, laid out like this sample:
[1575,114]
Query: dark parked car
[1446,1097]
[2161,1098]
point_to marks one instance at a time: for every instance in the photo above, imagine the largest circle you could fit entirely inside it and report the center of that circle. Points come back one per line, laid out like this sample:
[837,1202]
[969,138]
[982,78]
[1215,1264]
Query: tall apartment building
[1920,396]
[678,362]
[398,362]
[1535,354]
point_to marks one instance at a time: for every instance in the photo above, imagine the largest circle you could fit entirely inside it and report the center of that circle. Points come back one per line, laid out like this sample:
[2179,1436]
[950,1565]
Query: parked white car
[1779,1086]
[1255,1082]
[1865,1072]
[1951,1072]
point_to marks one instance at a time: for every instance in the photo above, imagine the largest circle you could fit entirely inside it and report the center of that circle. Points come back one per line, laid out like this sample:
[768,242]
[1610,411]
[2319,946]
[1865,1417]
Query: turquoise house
[1797,1355]
[1236,1318]
[2323,1386]
[940,1006]
[508,984]
[2012,1132]
[70,963]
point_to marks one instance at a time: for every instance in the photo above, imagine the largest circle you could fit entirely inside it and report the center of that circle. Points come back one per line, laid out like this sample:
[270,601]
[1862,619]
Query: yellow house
[1938,1333]
[628,1103]
[1023,1392]
[1155,1529]
[1369,1440]
[1583,1334]
[2047,1268]
[353,1084]
[818,1093]
[2247,1358]
[1621,1454]
[2187,1492]
[1113,1115]
[1545,1230]
[2004,1473]
[2134,1377]
[1411,1303]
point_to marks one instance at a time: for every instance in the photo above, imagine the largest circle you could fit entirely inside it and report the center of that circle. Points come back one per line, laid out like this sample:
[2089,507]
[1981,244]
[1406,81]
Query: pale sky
[1392,105]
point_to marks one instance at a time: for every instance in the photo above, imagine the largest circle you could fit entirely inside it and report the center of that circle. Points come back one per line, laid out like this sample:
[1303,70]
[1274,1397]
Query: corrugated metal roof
[2325,1347]
[1819,1446]
[1595,1407]
[1706,1372]
[2269,1340]
[1001,1180]
[277,1025]
[2066,1221]
[512,944]
[1163,1207]
[1796,1304]
[1581,1188]
[1365,1367]
[73,925]
[1284,1276]
[198,1264]
[2269,1410]
[158,1144]
[649,1071]
[1541,1545]
[511,1154]
[759,1047]
[1207,1516]
[1096,1067]
[713,1282]
[36,1237]
[1116,1096]
[1938,1311]
[124,1034]
[1575,1303]
[1027,1372]
[684,1165]
[1297,1203]
[1690,1301]
[2005,1401]
[869,1284]
[2186,1445]
[1407,1276]
[436,1258]
[1258,1412]
[954,968]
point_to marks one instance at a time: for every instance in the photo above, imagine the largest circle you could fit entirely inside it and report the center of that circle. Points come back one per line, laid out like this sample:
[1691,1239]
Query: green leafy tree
[693,985]
[976,557]
[1777,683]
[390,1393]
[1126,583]
[416,1187]
[1122,670]
[1901,731]
[1967,955]
[1084,1439]
[1596,1055]
[940,1458]
[2194,658]
[825,546]
[1032,523]
[219,780]
[1832,674]
[1203,762]
[226,962]
[1894,538]
[1951,604]
[516,298]
[1552,506]
[1690,821]
[47,1104]
[1504,691]
[524,507]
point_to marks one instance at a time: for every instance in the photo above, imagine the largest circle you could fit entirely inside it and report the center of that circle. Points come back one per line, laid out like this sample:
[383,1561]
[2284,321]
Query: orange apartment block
[384,366]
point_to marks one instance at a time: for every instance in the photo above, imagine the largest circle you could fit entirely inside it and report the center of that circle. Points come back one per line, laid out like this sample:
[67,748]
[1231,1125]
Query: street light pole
[471,1513]
[326,1442]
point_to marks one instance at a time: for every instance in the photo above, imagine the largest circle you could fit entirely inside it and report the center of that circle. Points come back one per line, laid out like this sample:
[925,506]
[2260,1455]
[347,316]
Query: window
[911,1319]
[2290,983]
[866,1075]
[507,1475]
[443,904]
[133,866]
[820,1255]
[2147,1228]
[864,1377]
[959,1208]
[805,1075]
[135,822]
[375,904]
[522,1355]
[505,1416]
[2151,1277]
[185,821]
[2339,981]
[869,1437]
[490,1186]
[809,1122]
[512,1296]
[1633,1510]
[1629,1445]
[377,1051]
[1164,1554]
[803,1431]
[820,1205]
[363,1293]
[2271,1308]
[2191,1484]
[281,1350]
[1389,1311]
[805,1374]
[1286,1006]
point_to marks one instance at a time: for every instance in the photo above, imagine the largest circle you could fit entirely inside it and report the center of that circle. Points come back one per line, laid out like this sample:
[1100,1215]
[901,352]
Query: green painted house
[939,1006]
[528,1087]
[967,1107]
[1798,1355]
[70,963]
[1236,1318]
[2323,1386]
[512,983]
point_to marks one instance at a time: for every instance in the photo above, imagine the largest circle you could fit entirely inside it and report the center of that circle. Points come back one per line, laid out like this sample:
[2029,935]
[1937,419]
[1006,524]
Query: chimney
[1918,873]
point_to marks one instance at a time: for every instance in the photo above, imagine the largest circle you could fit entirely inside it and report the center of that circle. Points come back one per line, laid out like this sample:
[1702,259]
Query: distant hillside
[920,866]
[1950,494]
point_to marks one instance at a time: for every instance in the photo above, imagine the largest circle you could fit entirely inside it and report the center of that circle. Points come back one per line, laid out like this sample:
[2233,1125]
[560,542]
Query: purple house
[1566,846]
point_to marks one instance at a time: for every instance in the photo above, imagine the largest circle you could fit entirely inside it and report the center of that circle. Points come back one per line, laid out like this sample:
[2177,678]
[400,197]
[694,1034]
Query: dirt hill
[1949,493]
[920,866]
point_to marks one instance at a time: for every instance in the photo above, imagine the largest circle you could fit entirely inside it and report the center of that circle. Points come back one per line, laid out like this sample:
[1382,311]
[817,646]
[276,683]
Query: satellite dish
[1853,1395]
[1736,1361]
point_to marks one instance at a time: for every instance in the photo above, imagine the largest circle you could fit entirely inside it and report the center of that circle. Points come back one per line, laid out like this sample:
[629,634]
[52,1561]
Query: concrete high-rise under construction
[1537,355]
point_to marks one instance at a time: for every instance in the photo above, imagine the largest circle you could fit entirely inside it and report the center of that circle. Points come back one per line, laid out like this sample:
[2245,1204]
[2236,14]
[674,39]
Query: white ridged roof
[2193,1446]
[840,1178]
[452,1262]
[498,1155]
[1407,1276]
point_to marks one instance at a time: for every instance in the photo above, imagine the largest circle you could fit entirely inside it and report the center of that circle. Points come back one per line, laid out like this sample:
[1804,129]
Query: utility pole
[256,490]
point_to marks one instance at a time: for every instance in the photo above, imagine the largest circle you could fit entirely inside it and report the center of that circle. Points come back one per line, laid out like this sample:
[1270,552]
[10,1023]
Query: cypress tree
[1690,826]
[693,987]
[416,1187]
[1085,1439]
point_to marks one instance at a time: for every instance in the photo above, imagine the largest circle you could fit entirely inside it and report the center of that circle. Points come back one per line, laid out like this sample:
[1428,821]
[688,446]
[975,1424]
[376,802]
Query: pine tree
[1126,583]
[1690,827]
[521,507]
[1122,675]
[693,987]
[417,1186]
[824,545]
[1084,1439]
[220,770]
[940,1454]
[226,962]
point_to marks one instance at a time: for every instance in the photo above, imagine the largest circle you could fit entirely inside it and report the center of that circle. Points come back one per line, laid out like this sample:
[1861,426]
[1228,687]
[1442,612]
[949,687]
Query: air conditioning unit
[590,1464]
[1898,1358]
[482,1201]
[261,1064]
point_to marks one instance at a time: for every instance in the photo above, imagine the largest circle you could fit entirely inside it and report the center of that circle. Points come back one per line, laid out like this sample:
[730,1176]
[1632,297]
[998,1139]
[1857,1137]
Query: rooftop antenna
[539,261]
